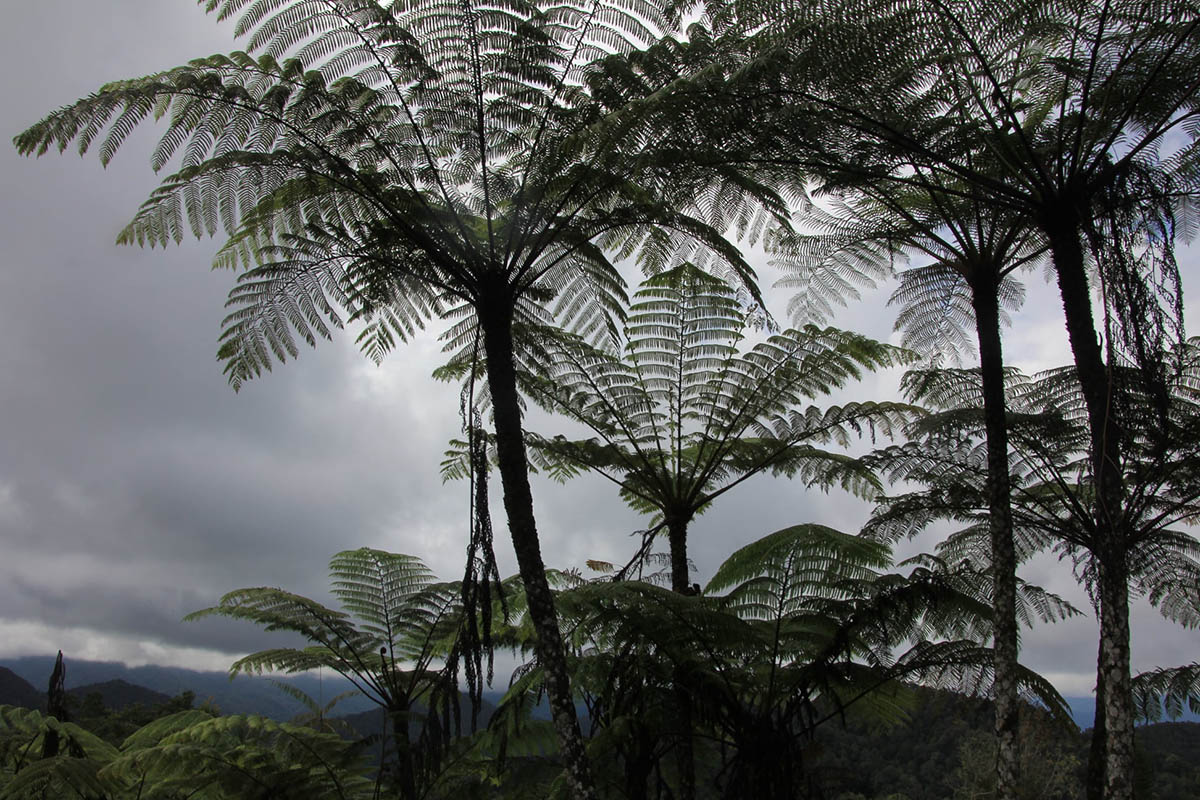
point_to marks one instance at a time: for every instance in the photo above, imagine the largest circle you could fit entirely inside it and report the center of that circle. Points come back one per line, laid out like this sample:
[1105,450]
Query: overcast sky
[135,486]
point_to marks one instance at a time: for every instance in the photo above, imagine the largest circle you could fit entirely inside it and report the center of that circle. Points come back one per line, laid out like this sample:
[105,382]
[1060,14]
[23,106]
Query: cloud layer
[135,486]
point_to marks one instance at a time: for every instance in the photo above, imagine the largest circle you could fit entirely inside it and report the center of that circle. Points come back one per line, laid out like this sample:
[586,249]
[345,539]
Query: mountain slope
[16,691]
[118,694]
[246,694]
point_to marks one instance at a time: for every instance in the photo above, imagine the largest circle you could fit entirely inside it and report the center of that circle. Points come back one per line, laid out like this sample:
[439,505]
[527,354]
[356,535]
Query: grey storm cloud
[135,486]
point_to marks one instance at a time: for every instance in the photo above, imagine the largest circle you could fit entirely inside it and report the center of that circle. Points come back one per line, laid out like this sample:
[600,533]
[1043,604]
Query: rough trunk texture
[1109,545]
[686,752]
[1115,668]
[1095,765]
[677,538]
[518,503]
[984,293]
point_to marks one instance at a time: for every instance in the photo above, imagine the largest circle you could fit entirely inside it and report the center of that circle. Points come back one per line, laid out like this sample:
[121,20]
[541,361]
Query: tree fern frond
[1167,691]
[240,756]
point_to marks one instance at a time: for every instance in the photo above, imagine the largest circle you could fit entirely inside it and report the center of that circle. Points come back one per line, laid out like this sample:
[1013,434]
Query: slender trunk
[1095,765]
[496,321]
[404,755]
[1094,380]
[1109,544]
[677,538]
[985,298]
[685,752]
[1114,667]
[639,766]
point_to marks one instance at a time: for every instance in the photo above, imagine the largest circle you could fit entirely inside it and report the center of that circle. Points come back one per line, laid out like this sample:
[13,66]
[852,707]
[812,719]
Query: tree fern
[686,413]
[1056,489]
[1167,692]
[792,630]
[243,756]
[1056,112]
[73,772]
[384,164]
[395,642]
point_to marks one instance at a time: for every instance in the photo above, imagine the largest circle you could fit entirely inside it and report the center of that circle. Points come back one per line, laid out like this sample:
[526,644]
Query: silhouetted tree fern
[386,164]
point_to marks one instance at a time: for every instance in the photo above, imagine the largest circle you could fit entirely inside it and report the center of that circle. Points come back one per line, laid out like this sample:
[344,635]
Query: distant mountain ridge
[245,694]
[251,694]
[16,691]
[119,694]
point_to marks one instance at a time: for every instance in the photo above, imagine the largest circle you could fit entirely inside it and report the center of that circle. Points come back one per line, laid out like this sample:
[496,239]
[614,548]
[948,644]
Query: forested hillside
[944,749]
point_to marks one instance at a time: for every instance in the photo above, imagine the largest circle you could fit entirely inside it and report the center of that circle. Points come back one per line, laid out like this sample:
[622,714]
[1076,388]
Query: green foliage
[395,641]
[403,617]
[184,754]
[237,757]
[115,725]
[74,772]
[392,161]
[1053,479]
[1167,691]
[684,403]
[793,631]
[943,748]
[684,406]
[1051,767]
[1168,755]
[960,248]
[686,412]
[384,164]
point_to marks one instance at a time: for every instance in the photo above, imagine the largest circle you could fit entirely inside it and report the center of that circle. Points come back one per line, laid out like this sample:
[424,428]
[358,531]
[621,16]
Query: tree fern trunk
[686,752]
[496,319]
[677,539]
[404,754]
[1114,667]
[1095,765]
[1109,545]
[985,298]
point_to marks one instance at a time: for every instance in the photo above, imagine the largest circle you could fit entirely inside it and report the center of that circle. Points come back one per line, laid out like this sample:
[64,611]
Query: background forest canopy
[493,173]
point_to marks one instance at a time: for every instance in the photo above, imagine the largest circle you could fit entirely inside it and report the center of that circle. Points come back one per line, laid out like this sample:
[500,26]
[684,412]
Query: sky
[136,486]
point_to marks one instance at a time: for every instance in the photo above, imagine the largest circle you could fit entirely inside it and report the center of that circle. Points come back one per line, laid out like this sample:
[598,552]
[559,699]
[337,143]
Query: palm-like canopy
[387,163]
[936,244]
[398,628]
[379,162]
[791,630]
[1077,116]
[968,254]
[1054,485]
[1055,492]
[1160,470]
[686,412]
